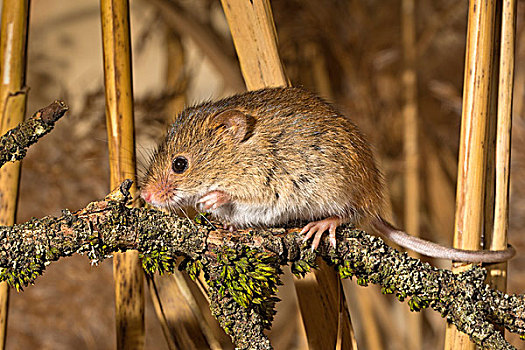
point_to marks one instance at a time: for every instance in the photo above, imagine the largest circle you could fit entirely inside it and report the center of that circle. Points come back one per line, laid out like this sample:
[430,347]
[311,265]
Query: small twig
[242,268]
[14,144]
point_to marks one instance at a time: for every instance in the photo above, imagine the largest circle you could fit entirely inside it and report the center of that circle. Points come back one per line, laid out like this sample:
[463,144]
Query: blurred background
[350,52]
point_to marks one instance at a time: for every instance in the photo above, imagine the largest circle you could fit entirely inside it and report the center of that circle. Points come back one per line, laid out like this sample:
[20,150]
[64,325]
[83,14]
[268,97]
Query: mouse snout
[147,196]
[159,194]
[149,193]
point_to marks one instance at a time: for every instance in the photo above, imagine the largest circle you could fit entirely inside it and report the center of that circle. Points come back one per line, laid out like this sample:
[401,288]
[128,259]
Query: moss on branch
[243,268]
[14,143]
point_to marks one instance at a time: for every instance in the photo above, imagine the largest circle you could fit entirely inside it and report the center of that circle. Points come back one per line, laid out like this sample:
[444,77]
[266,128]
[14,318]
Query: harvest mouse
[276,155]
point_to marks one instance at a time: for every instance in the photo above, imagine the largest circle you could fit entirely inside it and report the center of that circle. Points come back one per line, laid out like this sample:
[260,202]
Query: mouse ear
[239,124]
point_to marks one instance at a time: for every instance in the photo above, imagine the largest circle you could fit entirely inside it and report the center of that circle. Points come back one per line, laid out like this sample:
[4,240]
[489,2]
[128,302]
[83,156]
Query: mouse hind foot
[318,228]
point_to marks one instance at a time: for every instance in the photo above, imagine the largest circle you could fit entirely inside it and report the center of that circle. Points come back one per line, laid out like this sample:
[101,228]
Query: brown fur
[299,159]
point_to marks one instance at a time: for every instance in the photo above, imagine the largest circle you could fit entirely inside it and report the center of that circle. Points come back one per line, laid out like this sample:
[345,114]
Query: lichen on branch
[14,143]
[242,268]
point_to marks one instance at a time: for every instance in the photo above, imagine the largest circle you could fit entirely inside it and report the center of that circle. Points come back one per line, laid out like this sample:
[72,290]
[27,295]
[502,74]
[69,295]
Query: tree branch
[242,268]
[14,144]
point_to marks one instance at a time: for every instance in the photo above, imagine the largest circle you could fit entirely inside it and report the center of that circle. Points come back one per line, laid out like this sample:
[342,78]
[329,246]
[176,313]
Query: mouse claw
[317,239]
[333,242]
[317,228]
[306,229]
[310,230]
[331,236]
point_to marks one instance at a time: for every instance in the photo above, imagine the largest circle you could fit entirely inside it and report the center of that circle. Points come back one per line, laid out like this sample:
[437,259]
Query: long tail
[435,250]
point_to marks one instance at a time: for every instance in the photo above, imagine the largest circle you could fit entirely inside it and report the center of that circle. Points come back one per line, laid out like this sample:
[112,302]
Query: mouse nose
[146,195]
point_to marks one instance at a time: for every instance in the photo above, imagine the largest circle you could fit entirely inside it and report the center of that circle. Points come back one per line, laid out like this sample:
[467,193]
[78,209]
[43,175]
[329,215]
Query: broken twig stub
[14,143]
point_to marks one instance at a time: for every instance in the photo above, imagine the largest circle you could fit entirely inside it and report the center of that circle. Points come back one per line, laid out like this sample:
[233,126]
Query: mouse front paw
[213,200]
[317,228]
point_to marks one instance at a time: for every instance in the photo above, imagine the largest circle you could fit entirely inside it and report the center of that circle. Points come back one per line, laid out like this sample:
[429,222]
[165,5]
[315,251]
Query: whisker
[207,220]
[171,209]
[187,217]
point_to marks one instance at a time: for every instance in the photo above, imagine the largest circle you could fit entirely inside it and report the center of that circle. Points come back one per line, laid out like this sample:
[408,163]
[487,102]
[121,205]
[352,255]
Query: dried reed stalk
[128,274]
[179,316]
[326,321]
[411,148]
[319,73]
[255,39]
[254,36]
[13,94]
[498,239]
[412,201]
[367,310]
[471,164]
[490,176]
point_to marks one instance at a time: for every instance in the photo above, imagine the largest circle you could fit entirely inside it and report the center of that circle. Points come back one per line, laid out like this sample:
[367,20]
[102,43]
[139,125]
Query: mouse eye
[179,165]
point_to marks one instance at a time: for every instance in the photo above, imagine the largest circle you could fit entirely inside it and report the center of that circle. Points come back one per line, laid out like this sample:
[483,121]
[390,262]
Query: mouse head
[199,154]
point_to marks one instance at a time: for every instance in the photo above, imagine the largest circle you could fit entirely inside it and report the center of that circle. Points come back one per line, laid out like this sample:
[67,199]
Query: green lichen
[202,219]
[301,267]
[157,261]
[345,269]
[192,267]
[23,278]
[417,303]
[386,290]
[250,277]
[27,257]
[305,263]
